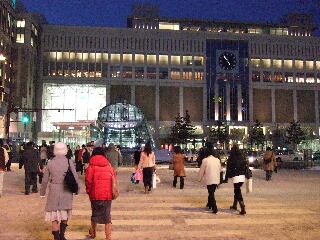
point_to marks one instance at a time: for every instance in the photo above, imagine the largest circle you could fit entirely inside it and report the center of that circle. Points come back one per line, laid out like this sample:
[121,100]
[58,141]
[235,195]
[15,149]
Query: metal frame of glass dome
[124,124]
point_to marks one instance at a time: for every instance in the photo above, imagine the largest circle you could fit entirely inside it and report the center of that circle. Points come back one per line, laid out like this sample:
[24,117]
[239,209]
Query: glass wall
[84,100]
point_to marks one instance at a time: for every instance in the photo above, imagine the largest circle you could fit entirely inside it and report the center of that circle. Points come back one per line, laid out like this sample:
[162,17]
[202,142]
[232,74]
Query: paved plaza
[287,207]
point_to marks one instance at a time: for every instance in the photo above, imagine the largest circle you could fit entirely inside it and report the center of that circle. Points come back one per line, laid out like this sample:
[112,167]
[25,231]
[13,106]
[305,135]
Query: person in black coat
[31,162]
[236,169]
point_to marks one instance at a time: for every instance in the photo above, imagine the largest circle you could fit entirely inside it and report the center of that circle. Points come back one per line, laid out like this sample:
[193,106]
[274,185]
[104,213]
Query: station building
[235,72]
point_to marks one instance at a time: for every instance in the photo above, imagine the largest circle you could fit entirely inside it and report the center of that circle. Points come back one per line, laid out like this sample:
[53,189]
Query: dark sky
[113,13]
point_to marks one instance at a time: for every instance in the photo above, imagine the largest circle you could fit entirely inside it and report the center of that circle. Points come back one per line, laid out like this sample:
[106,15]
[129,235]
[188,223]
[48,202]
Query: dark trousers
[268,174]
[8,165]
[237,191]
[175,180]
[31,179]
[211,199]
[147,176]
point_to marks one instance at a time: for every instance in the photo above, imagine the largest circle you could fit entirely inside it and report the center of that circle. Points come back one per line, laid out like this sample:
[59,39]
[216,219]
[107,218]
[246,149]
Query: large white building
[229,71]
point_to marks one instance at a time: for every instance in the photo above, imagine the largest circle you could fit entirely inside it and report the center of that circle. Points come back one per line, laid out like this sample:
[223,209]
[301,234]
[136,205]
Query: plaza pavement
[287,207]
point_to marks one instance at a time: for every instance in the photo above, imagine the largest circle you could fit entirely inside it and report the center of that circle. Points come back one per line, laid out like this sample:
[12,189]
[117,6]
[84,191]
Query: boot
[63,227]
[56,235]
[174,183]
[235,202]
[181,182]
[243,208]
[108,231]
[214,208]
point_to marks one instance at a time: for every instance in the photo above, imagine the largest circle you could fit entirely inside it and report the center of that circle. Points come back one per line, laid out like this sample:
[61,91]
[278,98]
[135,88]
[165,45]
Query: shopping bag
[249,185]
[138,175]
[154,180]
[133,178]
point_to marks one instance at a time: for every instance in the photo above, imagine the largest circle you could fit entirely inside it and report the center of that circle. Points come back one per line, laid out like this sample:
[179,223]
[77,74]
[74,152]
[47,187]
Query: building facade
[233,72]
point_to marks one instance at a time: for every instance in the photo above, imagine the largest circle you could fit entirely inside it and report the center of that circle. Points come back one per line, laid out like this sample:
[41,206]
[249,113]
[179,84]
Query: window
[277,63]
[114,72]
[300,77]
[127,72]
[175,60]
[163,59]
[288,77]
[151,73]
[115,58]
[187,74]
[287,64]
[255,63]
[198,74]
[310,78]
[127,59]
[187,60]
[139,72]
[266,63]
[151,59]
[255,76]
[266,76]
[255,30]
[277,77]
[298,64]
[198,61]
[309,65]
[169,26]
[139,59]
[175,74]
[163,73]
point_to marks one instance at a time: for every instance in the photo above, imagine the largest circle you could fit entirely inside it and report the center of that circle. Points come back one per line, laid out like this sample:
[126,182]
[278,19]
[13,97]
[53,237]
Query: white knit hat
[60,148]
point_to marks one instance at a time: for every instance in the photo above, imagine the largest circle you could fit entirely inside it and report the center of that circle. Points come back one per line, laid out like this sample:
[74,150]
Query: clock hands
[224,56]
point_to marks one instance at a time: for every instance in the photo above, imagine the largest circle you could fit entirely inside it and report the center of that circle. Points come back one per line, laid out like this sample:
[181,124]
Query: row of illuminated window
[125,58]
[92,70]
[285,77]
[285,64]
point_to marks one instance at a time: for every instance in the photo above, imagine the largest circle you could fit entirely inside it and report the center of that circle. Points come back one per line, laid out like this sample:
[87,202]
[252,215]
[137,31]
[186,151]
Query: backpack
[86,156]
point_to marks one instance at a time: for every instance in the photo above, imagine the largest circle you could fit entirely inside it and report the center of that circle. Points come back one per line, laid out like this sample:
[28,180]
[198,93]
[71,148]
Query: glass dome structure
[124,124]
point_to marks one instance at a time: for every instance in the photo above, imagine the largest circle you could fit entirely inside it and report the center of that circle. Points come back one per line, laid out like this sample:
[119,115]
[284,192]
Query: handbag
[70,180]
[171,166]
[115,188]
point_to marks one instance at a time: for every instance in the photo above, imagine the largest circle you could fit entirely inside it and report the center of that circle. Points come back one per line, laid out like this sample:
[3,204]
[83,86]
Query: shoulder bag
[115,188]
[70,180]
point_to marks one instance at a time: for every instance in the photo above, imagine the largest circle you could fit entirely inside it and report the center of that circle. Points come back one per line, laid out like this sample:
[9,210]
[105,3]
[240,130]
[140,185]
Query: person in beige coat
[267,165]
[210,168]
[178,167]
[59,201]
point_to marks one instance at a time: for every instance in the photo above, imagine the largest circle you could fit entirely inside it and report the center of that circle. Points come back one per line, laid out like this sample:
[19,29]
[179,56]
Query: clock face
[227,61]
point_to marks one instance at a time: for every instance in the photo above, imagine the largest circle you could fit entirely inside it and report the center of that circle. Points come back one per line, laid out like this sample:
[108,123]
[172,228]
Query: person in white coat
[211,168]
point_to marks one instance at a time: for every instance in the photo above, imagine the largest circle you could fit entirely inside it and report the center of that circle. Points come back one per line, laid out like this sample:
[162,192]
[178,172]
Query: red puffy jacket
[98,178]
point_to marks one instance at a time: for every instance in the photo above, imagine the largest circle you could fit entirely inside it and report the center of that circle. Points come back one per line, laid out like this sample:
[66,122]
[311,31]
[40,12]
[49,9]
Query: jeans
[1,181]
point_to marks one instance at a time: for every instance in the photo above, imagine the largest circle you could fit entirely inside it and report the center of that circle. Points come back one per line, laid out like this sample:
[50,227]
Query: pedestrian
[269,163]
[136,156]
[114,156]
[79,160]
[210,168]
[8,147]
[236,169]
[4,158]
[147,163]
[86,154]
[178,167]
[44,153]
[31,162]
[98,182]
[69,153]
[58,208]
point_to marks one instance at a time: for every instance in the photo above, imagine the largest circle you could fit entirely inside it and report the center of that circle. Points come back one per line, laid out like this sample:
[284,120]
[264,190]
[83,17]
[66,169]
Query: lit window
[169,26]
[21,23]
[255,63]
[277,63]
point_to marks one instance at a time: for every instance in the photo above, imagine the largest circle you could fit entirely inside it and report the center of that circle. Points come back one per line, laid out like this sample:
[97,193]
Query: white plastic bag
[249,185]
[154,180]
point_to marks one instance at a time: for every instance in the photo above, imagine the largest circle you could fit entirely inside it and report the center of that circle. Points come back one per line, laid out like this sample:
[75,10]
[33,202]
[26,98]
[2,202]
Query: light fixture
[2,57]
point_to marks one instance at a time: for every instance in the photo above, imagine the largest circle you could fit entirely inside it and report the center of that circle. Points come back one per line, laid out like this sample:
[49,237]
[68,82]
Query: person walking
[44,153]
[58,208]
[178,167]
[113,156]
[8,147]
[31,162]
[4,158]
[69,153]
[236,169]
[269,163]
[98,182]
[147,163]
[210,168]
[136,156]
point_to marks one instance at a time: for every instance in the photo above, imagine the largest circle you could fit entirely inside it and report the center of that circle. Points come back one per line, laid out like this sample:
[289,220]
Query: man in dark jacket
[31,162]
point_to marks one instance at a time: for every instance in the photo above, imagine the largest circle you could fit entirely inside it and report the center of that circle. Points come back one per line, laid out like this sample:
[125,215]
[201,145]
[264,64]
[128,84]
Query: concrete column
[228,101]
[181,112]
[295,105]
[273,105]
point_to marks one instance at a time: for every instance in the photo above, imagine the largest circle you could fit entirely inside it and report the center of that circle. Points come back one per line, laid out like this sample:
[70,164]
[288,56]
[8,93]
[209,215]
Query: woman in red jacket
[99,189]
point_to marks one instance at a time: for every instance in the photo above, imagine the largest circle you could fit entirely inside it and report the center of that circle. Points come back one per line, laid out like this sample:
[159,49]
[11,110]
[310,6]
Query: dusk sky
[113,13]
